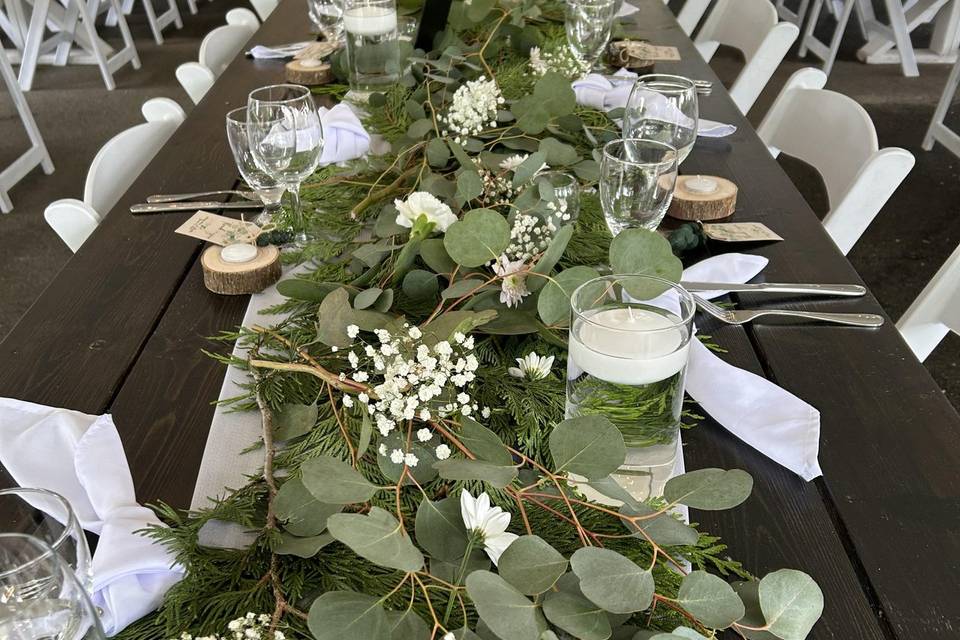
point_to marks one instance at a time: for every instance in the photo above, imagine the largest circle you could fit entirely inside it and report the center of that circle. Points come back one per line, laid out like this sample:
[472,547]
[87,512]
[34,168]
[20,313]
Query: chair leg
[949,90]
[842,21]
[192,5]
[88,20]
[901,35]
[152,20]
[31,46]
[811,25]
[129,48]
[72,15]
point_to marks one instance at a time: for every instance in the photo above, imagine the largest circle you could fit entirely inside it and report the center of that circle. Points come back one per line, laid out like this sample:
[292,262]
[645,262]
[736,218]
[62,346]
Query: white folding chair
[796,17]
[826,51]
[243,17]
[935,312]
[752,27]
[195,79]
[37,154]
[691,14]
[157,22]
[221,46]
[264,7]
[113,170]
[938,131]
[835,135]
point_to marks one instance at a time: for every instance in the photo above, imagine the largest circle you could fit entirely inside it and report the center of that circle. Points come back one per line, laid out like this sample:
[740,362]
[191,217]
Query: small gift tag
[645,51]
[740,232]
[220,230]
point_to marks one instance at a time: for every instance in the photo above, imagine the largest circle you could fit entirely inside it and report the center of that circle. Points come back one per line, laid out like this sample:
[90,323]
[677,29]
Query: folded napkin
[771,420]
[626,9]
[344,138]
[602,92]
[279,52]
[81,457]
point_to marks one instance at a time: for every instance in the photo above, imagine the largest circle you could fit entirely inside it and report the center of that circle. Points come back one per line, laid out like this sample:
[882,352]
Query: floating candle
[238,252]
[700,185]
[370,21]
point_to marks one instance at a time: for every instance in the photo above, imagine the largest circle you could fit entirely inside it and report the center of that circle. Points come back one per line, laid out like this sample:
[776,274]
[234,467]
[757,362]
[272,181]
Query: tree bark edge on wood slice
[239,278]
[692,205]
[307,73]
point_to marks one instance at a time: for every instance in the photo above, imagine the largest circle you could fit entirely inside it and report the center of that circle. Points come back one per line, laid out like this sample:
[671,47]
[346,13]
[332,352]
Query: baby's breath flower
[353,330]
[442,452]
[424,434]
[560,60]
[410,460]
[474,107]
[396,456]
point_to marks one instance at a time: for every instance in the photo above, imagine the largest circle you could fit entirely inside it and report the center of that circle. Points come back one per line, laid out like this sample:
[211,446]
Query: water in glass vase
[372,45]
[628,364]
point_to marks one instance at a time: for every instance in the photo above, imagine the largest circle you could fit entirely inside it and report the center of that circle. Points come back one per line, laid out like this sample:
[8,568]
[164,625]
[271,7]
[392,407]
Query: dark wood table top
[121,328]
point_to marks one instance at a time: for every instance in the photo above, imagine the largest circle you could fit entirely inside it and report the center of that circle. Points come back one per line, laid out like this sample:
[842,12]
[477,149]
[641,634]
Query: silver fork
[742,317]
[177,197]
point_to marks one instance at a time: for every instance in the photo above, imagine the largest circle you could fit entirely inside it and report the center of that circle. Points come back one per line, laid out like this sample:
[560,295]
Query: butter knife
[164,207]
[774,287]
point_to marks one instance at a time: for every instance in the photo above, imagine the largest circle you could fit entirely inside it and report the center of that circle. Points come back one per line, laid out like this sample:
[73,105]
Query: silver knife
[191,206]
[821,289]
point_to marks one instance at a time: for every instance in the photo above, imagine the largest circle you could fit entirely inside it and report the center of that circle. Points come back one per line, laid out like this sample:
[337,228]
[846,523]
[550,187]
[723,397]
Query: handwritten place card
[220,230]
[641,50]
[740,232]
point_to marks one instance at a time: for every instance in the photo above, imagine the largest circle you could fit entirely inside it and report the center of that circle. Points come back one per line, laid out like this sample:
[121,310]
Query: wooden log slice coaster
[237,278]
[693,198]
[309,72]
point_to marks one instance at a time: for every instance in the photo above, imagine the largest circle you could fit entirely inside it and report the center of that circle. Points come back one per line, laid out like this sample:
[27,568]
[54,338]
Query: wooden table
[121,328]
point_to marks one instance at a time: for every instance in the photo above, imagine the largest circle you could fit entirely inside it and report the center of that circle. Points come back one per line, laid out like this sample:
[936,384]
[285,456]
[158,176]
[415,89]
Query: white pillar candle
[629,346]
[370,21]
[238,252]
[700,185]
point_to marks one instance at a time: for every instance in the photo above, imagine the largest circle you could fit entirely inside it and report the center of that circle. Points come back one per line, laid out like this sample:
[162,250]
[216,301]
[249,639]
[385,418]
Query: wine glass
[663,107]
[286,140]
[588,24]
[40,597]
[267,187]
[327,17]
[637,178]
[48,517]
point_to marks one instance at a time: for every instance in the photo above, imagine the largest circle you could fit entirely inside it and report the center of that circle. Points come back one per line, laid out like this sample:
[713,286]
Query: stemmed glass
[637,178]
[327,17]
[663,107]
[286,140]
[588,24]
[40,597]
[269,190]
[48,517]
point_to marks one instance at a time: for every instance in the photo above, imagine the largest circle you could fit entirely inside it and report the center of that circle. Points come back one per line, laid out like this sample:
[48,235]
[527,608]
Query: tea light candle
[700,185]
[238,252]
[628,346]
[311,63]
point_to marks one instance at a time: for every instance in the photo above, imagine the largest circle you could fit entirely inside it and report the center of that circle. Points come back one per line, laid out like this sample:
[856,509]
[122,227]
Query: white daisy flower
[513,287]
[490,522]
[532,367]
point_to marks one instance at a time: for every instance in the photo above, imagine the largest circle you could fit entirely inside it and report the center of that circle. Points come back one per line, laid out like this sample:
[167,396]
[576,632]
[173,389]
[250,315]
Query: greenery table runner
[415,460]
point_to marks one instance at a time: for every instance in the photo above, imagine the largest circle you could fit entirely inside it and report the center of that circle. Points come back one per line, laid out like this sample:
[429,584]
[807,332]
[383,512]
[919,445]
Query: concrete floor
[905,245]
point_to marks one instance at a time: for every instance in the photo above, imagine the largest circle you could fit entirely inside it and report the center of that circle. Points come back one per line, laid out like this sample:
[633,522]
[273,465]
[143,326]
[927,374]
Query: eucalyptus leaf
[710,600]
[469,186]
[420,128]
[553,303]
[461,288]
[511,322]
[590,446]
[643,252]
[557,153]
[498,476]
[307,290]
[506,611]
[478,9]
[291,545]
[407,625]
[710,489]
[366,298]
[438,153]
[294,420]
[791,603]
[483,443]
[420,285]
[300,511]
[366,433]
[588,170]
[336,615]
[612,581]
[749,592]
[423,472]
[336,314]
[333,481]
[439,529]
[444,326]
[384,301]
[531,565]
[378,537]
[415,110]
[550,258]
[386,225]
[664,528]
[481,236]
[576,615]
[435,255]
[529,168]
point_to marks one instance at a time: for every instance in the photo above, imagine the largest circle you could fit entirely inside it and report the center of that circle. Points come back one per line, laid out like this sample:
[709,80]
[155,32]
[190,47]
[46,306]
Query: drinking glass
[373,52]
[628,348]
[267,187]
[637,178]
[565,198]
[664,108]
[327,17]
[588,24]
[47,516]
[40,597]
[286,140]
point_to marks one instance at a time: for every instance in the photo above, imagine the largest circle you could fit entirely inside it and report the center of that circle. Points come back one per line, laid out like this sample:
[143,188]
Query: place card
[642,50]
[740,232]
[220,230]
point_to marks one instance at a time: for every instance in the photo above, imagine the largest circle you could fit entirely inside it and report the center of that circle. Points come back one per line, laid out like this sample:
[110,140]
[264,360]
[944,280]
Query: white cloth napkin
[600,92]
[344,137]
[770,419]
[626,9]
[81,457]
[262,52]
